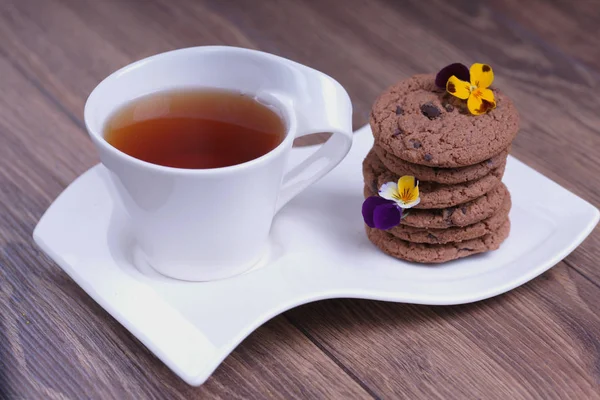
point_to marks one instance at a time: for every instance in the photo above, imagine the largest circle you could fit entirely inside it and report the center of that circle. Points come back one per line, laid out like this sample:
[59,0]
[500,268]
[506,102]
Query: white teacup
[209,224]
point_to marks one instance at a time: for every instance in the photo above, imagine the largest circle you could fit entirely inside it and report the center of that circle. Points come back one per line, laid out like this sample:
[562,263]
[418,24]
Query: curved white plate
[318,251]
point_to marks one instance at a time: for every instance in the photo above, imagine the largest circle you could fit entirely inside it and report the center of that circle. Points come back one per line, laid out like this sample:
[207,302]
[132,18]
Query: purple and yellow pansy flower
[480,99]
[385,211]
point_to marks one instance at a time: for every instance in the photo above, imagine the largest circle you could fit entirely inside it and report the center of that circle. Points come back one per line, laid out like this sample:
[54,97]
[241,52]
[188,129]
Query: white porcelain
[214,223]
[318,250]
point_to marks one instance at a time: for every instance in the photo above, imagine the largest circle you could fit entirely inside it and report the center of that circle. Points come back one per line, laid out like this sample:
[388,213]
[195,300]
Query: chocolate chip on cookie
[448,107]
[430,110]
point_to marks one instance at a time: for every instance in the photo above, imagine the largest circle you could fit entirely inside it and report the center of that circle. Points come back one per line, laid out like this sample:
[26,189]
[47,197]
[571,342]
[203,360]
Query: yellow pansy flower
[479,98]
[405,193]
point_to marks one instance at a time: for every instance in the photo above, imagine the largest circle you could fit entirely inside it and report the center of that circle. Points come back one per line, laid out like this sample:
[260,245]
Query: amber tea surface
[195,129]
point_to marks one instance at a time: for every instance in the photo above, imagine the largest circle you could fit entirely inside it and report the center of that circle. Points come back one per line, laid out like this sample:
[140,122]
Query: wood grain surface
[539,341]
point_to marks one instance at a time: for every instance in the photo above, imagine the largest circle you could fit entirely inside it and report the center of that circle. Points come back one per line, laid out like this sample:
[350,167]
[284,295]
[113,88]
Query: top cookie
[420,123]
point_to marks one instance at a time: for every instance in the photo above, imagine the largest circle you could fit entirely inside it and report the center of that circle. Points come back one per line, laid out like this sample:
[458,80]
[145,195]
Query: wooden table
[538,341]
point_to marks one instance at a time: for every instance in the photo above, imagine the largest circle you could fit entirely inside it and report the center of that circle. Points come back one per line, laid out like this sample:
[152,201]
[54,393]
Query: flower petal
[411,204]
[457,69]
[368,208]
[386,216]
[482,75]
[458,88]
[389,191]
[488,95]
[408,191]
[481,101]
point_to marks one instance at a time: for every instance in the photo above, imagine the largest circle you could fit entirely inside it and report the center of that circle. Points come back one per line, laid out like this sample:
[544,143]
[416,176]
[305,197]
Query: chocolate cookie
[433,195]
[446,176]
[454,234]
[436,253]
[421,124]
[465,214]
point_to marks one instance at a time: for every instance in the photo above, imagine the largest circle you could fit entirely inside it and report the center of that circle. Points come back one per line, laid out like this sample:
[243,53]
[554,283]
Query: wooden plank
[537,342]
[569,26]
[55,341]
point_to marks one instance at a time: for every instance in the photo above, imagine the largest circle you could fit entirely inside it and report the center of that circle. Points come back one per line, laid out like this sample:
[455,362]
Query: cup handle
[330,111]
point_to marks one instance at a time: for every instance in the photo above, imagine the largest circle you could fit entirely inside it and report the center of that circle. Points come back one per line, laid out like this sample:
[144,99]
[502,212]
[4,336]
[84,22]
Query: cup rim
[99,140]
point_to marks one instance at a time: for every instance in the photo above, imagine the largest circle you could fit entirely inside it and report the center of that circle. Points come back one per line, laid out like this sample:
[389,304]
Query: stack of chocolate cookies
[459,160]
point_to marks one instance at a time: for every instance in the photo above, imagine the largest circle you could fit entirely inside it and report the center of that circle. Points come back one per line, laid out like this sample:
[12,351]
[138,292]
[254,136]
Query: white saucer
[318,251]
